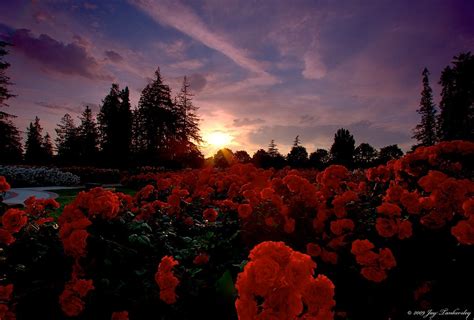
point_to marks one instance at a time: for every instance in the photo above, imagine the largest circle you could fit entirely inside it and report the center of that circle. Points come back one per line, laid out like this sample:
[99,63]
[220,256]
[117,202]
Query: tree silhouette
[67,141]
[47,148]
[242,156]
[276,159]
[342,150]
[298,156]
[156,125]
[261,159]
[456,119]
[10,140]
[389,153]
[187,118]
[425,131]
[365,156]
[115,123]
[319,159]
[34,152]
[88,135]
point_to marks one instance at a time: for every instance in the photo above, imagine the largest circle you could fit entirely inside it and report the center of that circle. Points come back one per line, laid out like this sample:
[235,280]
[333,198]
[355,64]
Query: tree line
[164,130]
[343,151]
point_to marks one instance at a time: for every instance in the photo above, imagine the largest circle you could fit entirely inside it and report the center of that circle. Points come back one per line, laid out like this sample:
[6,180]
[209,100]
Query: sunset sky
[260,70]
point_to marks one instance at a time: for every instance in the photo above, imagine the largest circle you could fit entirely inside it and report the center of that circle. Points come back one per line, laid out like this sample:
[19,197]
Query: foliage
[342,150]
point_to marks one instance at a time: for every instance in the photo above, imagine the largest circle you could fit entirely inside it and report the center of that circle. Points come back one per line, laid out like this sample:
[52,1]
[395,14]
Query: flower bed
[252,243]
[92,174]
[37,176]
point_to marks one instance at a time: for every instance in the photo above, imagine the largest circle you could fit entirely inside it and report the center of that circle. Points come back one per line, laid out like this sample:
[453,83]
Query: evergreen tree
[319,159]
[272,149]
[298,156]
[187,136]
[34,153]
[365,156]
[67,141]
[342,150]
[10,140]
[115,123]
[47,148]
[456,119]
[425,131]
[156,121]
[388,153]
[88,136]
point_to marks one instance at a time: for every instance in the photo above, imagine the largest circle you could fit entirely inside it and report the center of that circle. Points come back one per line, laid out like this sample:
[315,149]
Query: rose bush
[244,243]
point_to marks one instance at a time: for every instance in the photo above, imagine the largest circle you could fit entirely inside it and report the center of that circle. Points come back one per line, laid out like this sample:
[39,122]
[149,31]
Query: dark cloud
[322,135]
[241,122]
[307,119]
[69,59]
[57,108]
[113,56]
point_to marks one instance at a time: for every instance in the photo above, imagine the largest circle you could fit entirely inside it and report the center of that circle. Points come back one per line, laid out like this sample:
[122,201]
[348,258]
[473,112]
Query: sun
[218,139]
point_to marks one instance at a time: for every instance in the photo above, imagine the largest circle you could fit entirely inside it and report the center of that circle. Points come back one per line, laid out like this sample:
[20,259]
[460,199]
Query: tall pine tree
[88,136]
[67,141]
[156,123]
[298,156]
[10,140]
[34,153]
[456,119]
[48,148]
[425,131]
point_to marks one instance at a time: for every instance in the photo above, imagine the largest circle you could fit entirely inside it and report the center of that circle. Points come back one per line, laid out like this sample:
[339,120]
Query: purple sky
[260,70]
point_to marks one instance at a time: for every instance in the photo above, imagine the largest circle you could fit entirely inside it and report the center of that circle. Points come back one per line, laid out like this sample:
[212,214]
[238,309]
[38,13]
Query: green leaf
[225,285]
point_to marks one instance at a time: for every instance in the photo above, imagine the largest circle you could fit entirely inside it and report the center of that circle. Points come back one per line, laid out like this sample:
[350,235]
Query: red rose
[71,305]
[245,210]
[14,220]
[122,315]
[75,244]
[6,292]
[201,259]
[210,214]
[6,237]
[4,186]
[313,249]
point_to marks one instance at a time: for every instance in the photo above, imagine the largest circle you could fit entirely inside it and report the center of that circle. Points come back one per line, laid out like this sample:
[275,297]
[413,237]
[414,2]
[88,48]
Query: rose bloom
[4,186]
[210,214]
[201,259]
[6,237]
[245,210]
[6,292]
[70,304]
[14,220]
[122,315]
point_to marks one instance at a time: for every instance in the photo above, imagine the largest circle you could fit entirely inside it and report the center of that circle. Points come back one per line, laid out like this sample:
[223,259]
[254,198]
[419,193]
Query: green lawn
[66,196]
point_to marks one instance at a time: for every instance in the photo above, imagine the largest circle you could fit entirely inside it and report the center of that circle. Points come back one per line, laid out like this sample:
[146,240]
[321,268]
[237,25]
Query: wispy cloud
[181,17]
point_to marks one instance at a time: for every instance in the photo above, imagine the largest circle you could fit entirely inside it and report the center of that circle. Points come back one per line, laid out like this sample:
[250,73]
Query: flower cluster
[374,265]
[13,220]
[38,176]
[166,280]
[282,279]
[4,185]
[5,300]
[71,299]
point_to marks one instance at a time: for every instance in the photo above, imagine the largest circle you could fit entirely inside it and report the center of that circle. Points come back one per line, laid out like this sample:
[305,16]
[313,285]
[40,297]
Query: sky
[259,70]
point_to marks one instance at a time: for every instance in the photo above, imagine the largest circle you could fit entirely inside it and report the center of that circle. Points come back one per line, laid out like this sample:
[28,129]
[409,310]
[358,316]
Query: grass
[66,196]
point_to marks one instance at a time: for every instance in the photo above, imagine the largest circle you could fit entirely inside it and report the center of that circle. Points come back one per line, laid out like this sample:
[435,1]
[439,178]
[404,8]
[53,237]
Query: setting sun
[218,139]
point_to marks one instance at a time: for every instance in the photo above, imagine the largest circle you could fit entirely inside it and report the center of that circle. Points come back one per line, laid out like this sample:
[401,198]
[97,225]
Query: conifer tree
[67,141]
[298,156]
[10,139]
[425,131]
[34,153]
[456,119]
[48,148]
[88,136]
